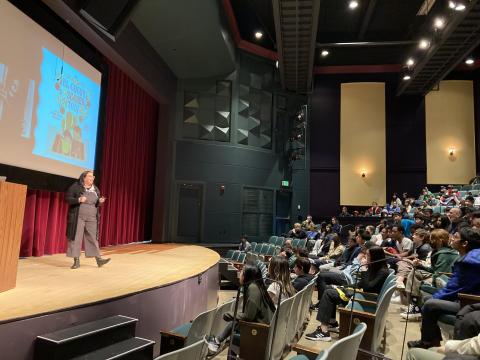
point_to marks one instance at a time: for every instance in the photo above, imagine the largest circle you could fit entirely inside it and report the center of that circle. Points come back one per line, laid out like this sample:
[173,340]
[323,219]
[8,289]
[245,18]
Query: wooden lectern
[12,207]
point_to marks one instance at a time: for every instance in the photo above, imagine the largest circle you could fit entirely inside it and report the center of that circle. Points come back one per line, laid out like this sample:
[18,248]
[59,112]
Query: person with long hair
[84,200]
[257,307]
[279,270]
[373,274]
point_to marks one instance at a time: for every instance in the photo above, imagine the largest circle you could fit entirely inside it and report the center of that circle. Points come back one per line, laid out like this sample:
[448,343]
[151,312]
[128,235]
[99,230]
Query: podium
[12,207]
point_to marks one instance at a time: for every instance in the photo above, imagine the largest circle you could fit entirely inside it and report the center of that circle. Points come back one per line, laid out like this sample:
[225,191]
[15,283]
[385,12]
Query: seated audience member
[302,270]
[381,237]
[441,260]
[405,222]
[342,272]
[370,229]
[297,232]
[308,224]
[395,200]
[420,251]
[336,227]
[398,247]
[244,244]
[257,304]
[455,216]
[372,278]
[440,221]
[464,279]
[468,349]
[279,271]
[374,210]
[344,212]
[469,201]
[420,220]
[335,250]
[475,220]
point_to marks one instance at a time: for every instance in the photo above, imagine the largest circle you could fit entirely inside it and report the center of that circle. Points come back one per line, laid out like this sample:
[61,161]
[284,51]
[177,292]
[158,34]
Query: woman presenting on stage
[82,221]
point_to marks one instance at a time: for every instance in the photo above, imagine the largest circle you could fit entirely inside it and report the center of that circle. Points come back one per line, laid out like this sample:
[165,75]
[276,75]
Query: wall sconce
[451,151]
[363,173]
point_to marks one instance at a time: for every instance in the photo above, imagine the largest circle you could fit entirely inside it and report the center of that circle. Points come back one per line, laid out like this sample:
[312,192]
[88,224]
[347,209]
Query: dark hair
[444,222]
[419,216]
[253,275]
[81,179]
[476,214]
[399,227]
[303,263]
[336,240]
[364,235]
[471,198]
[376,254]
[471,236]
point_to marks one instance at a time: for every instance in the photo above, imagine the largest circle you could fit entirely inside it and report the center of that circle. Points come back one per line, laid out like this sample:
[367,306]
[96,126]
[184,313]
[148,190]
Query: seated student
[335,250]
[257,304]
[308,224]
[371,280]
[442,259]
[420,251]
[464,279]
[381,237]
[244,244]
[344,212]
[302,270]
[297,232]
[468,349]
[279,270]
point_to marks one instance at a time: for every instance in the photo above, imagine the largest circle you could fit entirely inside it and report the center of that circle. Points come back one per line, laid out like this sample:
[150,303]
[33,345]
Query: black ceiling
[373,21]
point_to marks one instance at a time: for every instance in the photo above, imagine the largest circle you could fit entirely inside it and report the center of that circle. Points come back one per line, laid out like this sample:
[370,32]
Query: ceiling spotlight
[353,4]
[324,53]
[423,44]
[457,5]
[469,61]
[276,64]
[406,77]
[258,35]
[439,23]
[410,62]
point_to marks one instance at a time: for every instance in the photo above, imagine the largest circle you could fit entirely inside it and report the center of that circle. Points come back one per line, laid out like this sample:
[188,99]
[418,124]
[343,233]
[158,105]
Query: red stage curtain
[128,173]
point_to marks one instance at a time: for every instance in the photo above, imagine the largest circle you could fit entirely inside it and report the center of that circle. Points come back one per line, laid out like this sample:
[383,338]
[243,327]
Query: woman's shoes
[76,263]
[100,261]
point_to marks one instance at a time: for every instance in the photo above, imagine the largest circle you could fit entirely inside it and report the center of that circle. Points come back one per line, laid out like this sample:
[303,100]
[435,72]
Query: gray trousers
[424,354]
[86,229]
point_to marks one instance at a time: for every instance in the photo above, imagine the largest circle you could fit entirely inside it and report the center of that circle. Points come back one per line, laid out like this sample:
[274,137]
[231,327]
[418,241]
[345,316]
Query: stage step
[130,349]
[85,338]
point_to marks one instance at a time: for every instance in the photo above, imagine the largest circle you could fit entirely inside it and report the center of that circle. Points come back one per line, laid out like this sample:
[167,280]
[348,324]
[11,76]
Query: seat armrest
[304,350]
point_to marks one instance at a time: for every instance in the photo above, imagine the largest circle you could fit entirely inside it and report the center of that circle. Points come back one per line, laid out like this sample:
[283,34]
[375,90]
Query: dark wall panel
[325,149]
[405,143]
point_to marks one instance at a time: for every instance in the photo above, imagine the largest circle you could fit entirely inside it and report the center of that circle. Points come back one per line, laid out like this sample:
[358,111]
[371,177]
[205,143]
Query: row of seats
[260,341]
[210,322]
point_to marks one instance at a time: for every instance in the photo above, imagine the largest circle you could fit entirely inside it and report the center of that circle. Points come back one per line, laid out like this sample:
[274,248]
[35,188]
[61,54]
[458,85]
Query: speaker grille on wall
[108,16]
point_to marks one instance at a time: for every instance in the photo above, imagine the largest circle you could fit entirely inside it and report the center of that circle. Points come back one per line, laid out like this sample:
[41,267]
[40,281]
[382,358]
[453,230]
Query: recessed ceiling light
[460,7]
[423,44]
[451,4]
[276,64]
[406,77]
[258,35]
[353,4]
[439,23]
[469,61]
[324,53]
[410,62]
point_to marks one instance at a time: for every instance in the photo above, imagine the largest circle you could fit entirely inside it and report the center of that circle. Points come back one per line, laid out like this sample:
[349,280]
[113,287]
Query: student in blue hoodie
[464,279]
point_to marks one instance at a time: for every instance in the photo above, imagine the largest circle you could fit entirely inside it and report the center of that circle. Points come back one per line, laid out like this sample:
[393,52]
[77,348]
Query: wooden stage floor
[47,284]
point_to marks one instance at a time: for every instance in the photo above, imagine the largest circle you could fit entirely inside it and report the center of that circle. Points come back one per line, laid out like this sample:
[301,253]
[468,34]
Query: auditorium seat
[272,240]
[375,320]
[229,254]
[280,241]
[218,323]
[195,351]
[187,334]
[344,349]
